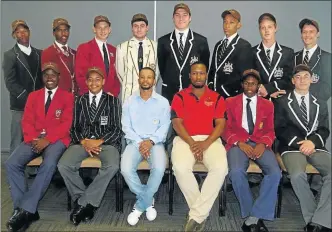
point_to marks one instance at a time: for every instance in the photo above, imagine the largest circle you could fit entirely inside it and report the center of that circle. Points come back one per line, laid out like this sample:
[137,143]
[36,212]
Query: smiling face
[22,35]
[50,79]
[302,81]
[250,86]
[181,19]
[309,36]
[61,34]
[146,79]
[95,82]
[102,30]
[198,75]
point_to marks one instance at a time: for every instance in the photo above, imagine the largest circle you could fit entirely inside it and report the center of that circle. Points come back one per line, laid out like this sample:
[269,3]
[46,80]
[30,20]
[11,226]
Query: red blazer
[264,125]
[56,123]
[89,55]
[54,54]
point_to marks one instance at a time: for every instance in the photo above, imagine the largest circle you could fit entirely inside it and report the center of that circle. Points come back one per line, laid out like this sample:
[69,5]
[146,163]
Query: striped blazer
[105,125]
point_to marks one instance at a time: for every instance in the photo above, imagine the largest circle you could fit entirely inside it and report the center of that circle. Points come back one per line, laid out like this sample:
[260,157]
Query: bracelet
[151,141]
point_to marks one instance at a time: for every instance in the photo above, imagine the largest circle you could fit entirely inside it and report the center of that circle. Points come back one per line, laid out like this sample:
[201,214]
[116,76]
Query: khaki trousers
[215,160]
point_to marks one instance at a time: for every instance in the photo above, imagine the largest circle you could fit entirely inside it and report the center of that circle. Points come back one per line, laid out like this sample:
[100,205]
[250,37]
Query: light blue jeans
[130,160]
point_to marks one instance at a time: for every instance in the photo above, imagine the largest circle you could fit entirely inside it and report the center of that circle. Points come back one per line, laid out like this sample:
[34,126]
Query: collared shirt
[98,96]
[184,37]
[100,45]
[311,51]
[148,119]
[52,95]
[253,106]
[61,45]
[271,49]
[198,114]
[230,38]
[24,49]
[306,101]
[136,42]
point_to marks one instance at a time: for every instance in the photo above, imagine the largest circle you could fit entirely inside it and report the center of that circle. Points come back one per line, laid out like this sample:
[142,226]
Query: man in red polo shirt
[198,119]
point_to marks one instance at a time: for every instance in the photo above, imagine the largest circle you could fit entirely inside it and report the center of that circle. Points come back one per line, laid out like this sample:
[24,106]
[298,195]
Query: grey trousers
[295,163]
[69,165]
[16,134]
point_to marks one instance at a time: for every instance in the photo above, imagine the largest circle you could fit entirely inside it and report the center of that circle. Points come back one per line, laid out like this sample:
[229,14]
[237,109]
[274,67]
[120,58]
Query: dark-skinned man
[96,131]
[46,123]
[22,74]
[61,54]
[249,135]
[198,118]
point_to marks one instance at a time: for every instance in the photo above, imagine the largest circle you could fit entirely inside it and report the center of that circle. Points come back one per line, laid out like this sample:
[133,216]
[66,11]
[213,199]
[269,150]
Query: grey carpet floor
[55,217]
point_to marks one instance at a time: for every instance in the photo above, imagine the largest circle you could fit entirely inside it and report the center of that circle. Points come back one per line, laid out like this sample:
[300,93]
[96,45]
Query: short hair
[198,62]
[148,68]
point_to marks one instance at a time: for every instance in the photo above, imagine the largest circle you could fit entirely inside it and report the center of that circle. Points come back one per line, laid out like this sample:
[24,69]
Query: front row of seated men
[199,116]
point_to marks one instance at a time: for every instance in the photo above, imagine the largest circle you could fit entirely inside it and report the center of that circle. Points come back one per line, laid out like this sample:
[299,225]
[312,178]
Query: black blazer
[320,64]
[18,77]
[277,76]
[175,75]
[226,78]
[106,125]
[290,129]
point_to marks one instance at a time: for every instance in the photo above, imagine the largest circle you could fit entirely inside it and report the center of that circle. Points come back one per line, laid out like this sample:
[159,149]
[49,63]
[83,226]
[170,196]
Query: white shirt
[52,95]
[271,50]
[311,51]
[100,45]
[98,96]
[61,45]
[306,101]
[253,106]
[184,37]
[26,50]
[230,38]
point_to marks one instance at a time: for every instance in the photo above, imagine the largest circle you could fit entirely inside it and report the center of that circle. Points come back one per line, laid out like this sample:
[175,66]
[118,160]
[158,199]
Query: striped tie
[93,108]
[268,56]
[181,48]
[306,58]
[303,108]
[222,50]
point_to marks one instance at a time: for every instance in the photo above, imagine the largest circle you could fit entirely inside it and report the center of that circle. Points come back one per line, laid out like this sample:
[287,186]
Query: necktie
[106,61]
[303,108]
[65,51]
[181,48]
[306,58]
[222,50]
[249,117]
[93,108]
[268,56]
[140,56]
[48,101]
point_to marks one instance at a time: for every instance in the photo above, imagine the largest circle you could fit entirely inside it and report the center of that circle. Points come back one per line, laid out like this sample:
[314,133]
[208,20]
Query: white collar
[136,41]
[230,38]
[253,99]
[53,91]
[98,95]
[100,43]
[185,32]
[271,48]
[60,45]
[26,50]
[298,96]
[311,50]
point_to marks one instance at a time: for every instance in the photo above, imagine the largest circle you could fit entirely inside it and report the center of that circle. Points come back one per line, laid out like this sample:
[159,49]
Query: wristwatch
[151,141]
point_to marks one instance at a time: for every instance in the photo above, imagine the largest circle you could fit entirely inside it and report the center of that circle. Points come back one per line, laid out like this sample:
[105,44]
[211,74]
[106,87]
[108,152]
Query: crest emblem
[208,102]
[261,125]
[58,113]
[278,72]
[153,66]
[314,78]
[228,67]
[111,54]
[193,59]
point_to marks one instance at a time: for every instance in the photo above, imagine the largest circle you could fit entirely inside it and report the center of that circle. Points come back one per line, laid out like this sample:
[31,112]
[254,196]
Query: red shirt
[198,114]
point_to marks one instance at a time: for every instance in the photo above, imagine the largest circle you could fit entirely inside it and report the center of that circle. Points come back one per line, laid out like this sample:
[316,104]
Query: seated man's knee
[237,173]
[297,176]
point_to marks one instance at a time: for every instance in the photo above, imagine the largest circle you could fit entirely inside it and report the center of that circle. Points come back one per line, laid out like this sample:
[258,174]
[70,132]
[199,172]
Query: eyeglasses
[250,83]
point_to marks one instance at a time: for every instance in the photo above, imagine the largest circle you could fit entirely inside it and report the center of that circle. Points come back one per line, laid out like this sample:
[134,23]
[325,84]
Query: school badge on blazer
[278,73]
[261,124]
[193,59]
[314,78]
[58,114]
[228,67]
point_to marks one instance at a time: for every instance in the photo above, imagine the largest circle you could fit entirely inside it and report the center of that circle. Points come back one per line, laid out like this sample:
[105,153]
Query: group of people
[66,106]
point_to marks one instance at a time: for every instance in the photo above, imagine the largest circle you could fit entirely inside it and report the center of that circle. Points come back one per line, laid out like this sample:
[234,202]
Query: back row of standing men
[170,58]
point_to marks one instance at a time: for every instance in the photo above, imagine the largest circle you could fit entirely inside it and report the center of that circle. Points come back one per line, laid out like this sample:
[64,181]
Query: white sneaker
[133,217]
[151,212]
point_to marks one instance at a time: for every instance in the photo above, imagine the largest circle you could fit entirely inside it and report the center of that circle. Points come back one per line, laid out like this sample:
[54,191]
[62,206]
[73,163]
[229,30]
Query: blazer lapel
[313,113]
[133,55]
[188,46]
[261,56]
[239,110]
[229,50]
[98,53]
[147,47]
[315,58]
[258,114]
[298,58]
[295,109]
[275,59]
[175,48]
[85,107]
[21,58]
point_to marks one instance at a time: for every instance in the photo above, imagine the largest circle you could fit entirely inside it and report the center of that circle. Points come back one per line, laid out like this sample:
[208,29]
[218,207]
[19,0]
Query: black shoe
[246,228]
[90,212]
[259,227]
[78,214]
[21,219]
[311,227]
